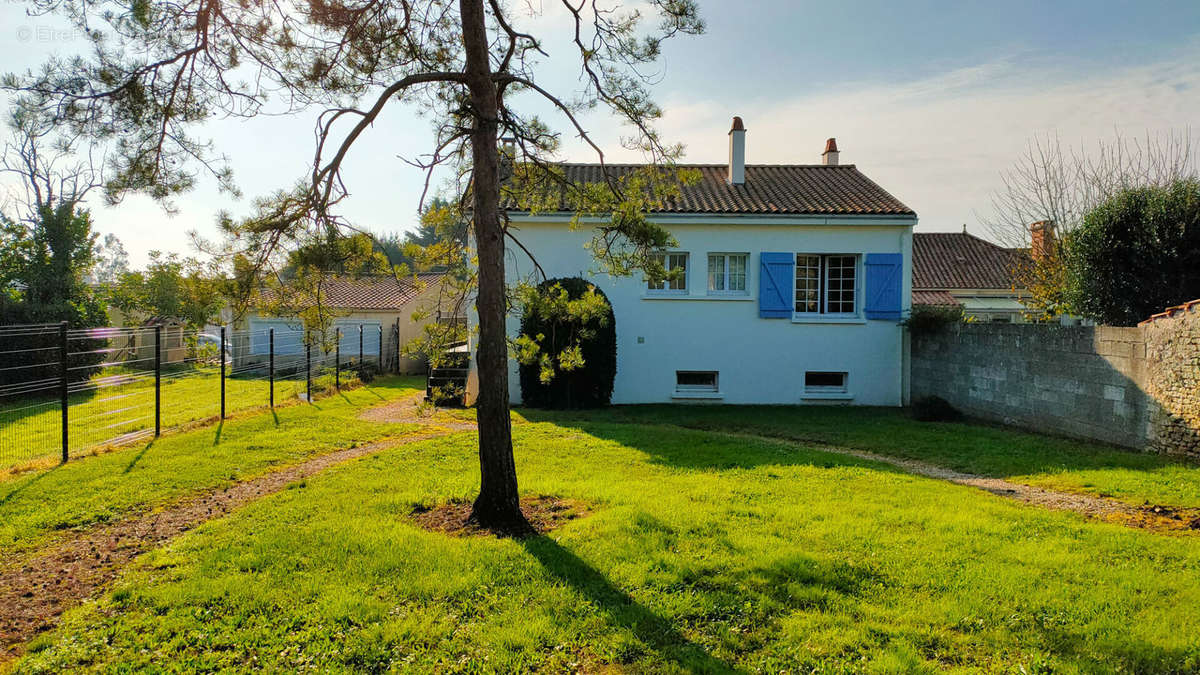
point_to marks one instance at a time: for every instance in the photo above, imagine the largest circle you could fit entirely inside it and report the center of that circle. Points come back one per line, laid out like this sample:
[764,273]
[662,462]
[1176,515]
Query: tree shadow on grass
[138,457]
[649,628]
[36,477]
[970,446]
[689,448]
[1119,652]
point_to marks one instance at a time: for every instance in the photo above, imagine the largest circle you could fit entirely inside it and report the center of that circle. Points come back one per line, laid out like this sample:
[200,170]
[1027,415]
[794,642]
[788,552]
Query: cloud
[940,142]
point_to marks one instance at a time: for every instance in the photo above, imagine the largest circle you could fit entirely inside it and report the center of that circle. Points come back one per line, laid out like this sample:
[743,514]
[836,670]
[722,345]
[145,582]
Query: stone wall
[1173,350]
[1137,387]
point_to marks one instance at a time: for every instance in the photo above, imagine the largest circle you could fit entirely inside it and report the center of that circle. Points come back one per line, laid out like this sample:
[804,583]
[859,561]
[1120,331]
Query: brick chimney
[737,153]
[1041,239]
[830,156]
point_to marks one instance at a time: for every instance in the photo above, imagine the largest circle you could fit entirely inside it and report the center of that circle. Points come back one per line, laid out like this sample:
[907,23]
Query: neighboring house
[796,280]
[960,269]
[383,306]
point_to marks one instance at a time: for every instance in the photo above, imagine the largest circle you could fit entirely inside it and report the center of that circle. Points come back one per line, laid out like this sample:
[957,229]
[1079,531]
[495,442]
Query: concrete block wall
[1079,381]
[1137,387]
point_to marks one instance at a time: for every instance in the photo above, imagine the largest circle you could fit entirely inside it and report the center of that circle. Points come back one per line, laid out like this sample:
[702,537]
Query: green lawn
[30,429]
[704,553]
[1033,459]
[112,485]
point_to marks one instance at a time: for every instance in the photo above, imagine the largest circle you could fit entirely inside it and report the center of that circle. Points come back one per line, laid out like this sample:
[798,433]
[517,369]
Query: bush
[931,319]
[934,409]
[1136,254]
[28,357]
[568,346]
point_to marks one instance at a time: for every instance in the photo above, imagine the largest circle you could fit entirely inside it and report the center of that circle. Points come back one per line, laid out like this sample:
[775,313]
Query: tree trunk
[497,507]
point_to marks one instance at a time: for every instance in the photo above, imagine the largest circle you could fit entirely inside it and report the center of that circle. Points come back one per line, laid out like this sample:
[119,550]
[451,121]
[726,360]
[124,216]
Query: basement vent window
[817,382]
[696,381]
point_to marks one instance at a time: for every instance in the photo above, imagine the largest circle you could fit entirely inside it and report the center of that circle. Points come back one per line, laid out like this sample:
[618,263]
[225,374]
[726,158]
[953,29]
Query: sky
[932,100]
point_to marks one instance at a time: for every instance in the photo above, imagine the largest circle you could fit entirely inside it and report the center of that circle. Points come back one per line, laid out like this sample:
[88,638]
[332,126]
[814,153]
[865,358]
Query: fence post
[308,367]
[222,372]
[397,332]
[62,355]
[360,346]
[337,361]
[379,362]
[271,362]
[157,379]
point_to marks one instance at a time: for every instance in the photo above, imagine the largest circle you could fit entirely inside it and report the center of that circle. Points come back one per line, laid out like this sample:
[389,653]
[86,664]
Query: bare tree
[47,168]
[1052,183]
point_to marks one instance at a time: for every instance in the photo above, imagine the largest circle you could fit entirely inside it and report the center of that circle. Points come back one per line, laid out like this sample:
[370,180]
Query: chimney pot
[830,156]
[737,152]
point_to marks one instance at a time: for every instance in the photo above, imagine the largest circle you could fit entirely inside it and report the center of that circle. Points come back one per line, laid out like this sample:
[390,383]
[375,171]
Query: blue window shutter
[883,285]
[775,285]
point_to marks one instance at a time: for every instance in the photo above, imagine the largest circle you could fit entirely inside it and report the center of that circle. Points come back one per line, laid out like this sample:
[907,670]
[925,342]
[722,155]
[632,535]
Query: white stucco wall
[760,361]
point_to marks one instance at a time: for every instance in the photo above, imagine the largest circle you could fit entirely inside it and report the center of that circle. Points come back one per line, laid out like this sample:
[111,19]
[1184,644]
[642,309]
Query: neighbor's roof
[376,292]
[940,298]
[783,189]
[1177,310]
[945,260]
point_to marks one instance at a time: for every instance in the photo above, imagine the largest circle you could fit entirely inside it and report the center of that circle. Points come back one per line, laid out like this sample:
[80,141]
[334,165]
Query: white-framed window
[727,273]
[671,262]
[824,382]
[689,381]
[826,284]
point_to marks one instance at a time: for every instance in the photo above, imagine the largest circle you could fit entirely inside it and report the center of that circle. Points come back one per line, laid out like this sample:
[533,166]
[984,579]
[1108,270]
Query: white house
[380,307]
[797,278]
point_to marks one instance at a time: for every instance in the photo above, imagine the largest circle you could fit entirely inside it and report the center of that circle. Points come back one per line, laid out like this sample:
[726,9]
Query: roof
[939,298]
[770,189]
[374,292]
[953,260]
[1193,306]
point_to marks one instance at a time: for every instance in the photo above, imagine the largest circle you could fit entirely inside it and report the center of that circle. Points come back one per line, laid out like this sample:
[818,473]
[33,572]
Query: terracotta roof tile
[939,298]
[375,293]
[1193,306]
[769,190]
[943,260]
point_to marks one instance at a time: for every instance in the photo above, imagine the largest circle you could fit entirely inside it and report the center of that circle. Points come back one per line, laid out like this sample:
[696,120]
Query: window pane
[678,261]
[824,381]
[716,272]
[686,380]
[737,272]
[840,272]
[662,260]
[808,283]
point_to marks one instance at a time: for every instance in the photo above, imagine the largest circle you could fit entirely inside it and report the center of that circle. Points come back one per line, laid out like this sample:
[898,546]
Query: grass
[30,429]
[112,485]
[705,553]
[1033,459]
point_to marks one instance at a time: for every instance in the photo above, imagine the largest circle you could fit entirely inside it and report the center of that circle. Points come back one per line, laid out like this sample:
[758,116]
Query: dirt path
[410,411]
[1150,517]
[36,590]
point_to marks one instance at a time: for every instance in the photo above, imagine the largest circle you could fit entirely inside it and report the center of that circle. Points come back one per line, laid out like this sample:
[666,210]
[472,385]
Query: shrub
[934,409]
[931,319]
[567,345]
[1136,254]
[33,357]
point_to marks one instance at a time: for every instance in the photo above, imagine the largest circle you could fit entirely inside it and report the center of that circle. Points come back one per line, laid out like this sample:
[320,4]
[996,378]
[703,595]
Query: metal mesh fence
[65,391]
